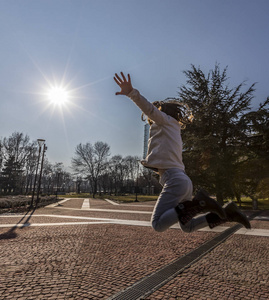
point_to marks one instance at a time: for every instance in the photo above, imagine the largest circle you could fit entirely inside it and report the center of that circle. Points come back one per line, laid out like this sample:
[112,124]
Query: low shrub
[12,202]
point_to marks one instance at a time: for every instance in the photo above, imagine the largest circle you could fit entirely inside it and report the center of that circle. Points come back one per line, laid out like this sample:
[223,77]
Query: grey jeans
[177,187]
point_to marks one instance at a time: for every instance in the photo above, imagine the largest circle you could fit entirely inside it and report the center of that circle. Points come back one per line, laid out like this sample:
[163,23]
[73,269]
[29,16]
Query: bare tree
[118,172]
[30,167]
[133,168]
[48,178]
[17,146]
[91,161]
[17,150]
[132,163]
[58,177]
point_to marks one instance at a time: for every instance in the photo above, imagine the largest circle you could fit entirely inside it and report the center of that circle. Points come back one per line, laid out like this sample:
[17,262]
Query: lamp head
[40,142]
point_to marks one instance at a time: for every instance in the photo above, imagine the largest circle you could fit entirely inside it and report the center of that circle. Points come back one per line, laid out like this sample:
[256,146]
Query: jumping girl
[175,203]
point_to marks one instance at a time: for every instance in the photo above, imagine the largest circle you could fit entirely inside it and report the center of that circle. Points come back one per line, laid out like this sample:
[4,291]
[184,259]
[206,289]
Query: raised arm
[125,85]
[148,108]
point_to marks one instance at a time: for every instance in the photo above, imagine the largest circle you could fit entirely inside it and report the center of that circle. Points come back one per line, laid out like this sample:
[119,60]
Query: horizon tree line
[93,170]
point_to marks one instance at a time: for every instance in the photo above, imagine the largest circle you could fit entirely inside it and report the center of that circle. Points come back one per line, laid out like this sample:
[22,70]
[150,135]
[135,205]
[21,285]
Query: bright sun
[58,95]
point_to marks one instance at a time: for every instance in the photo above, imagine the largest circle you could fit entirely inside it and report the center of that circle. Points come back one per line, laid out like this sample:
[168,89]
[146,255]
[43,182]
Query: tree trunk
[78,188]
[220,198]
[94,192]
[254,203]
[238,198]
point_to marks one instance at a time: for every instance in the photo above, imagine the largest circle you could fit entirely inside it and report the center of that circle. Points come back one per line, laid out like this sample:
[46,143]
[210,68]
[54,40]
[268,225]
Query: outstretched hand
[125,85]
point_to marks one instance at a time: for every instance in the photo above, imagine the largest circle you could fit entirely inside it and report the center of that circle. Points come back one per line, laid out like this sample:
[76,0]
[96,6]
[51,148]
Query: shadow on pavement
[11,234]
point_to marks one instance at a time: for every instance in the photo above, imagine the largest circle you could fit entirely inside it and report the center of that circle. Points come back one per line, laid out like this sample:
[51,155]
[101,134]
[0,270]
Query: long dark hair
[176,109]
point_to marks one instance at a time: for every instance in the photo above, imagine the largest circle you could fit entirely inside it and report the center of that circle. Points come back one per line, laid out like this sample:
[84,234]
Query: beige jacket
[165,143]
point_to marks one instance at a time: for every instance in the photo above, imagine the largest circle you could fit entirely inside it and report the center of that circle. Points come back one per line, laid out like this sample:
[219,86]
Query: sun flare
[58,95]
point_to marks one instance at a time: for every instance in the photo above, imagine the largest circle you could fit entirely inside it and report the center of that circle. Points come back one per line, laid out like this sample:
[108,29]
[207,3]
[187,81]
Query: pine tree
[253,171]
[10,176]
[214,142]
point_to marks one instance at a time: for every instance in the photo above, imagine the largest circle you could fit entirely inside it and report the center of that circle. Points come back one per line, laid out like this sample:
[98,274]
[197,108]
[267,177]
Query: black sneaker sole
[234,214]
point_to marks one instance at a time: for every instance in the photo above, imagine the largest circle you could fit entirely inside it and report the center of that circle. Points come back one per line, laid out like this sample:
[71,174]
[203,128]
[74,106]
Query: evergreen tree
[214,142]
[253,171]
[10,176]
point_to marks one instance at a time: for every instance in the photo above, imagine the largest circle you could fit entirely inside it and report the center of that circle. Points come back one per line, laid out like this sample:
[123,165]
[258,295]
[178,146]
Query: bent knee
[157,226]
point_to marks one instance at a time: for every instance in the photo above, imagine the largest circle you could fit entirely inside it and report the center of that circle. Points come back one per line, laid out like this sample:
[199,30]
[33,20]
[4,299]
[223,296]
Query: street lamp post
[136,187]
[136,190]
[40,175]
[40,143]
[57,184]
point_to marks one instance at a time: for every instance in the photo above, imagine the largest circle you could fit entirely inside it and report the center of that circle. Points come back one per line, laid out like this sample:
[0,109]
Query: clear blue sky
[82,43]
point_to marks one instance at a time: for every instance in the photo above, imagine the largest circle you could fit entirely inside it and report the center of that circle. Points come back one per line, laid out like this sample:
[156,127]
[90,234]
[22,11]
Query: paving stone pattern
[97,261]
[238,269]
[85,262]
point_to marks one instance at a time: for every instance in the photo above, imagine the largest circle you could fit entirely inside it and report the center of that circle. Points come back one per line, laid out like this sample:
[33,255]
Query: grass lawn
[73,195]
[246,203]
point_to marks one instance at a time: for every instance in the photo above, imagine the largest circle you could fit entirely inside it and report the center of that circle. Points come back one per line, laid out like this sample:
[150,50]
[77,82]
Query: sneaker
[234,214]
[208,204]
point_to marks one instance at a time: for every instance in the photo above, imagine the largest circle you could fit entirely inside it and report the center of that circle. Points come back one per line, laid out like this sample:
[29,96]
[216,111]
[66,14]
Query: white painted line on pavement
[86,204]
[59,202]
[242,231]
[261,218]
[132,205]
[111,202]
[256,232]
[58,216]
[48,224]
[122,211]
[104,220]
[137,205]
[253,232]
[215,229]
[115,221]
[110,210]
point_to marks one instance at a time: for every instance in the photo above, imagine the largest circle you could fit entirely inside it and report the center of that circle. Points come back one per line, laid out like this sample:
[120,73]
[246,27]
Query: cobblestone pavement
[94,249]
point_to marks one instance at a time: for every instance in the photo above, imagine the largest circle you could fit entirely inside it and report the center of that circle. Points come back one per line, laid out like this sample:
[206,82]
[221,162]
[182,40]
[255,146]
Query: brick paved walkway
[65,252]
